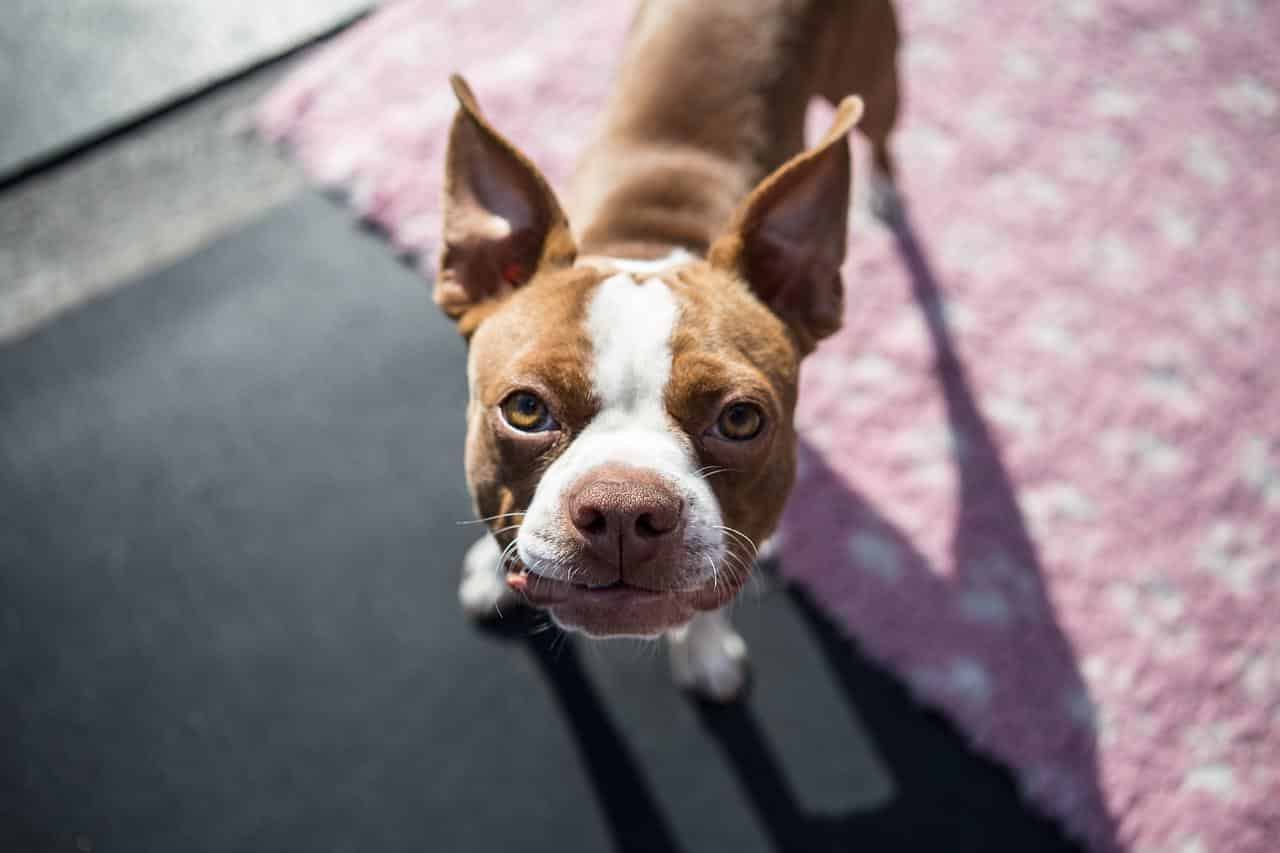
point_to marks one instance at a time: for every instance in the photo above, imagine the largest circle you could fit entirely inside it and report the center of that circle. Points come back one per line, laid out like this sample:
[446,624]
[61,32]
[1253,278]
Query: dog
[633,377]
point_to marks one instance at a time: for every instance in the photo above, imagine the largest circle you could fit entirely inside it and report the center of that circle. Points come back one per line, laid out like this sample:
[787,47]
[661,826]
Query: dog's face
[640,424]
[630,423]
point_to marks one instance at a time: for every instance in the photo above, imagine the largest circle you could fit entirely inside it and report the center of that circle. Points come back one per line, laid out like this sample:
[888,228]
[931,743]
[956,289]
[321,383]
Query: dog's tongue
[539,591]
[519,581]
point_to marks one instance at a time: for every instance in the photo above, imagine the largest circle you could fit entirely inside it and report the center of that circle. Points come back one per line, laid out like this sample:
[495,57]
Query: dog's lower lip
[548,591]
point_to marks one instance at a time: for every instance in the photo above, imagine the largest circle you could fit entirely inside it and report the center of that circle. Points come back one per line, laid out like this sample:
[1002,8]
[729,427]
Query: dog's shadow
[920,815]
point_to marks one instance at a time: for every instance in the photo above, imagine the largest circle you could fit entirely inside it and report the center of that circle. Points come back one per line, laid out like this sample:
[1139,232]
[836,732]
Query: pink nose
[625,517]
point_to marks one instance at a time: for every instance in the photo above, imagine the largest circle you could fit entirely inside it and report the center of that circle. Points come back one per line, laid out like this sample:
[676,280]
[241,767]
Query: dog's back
[711,96]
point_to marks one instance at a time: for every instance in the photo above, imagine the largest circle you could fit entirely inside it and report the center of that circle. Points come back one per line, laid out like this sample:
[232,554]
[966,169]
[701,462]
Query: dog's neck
[644,205]
[699,116]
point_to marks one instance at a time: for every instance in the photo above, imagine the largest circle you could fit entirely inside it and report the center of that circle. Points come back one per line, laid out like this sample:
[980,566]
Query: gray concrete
[69,68]
[137,203]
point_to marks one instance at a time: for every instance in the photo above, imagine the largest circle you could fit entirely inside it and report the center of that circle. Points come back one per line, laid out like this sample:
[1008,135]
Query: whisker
[559,644]
[501,566]
[734,574]
[490,518]
[755,551]
[541,627]
[739,565]
[709,471]
[744,537]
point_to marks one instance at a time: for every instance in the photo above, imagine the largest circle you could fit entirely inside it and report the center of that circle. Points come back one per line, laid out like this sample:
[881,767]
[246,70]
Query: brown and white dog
[633,379]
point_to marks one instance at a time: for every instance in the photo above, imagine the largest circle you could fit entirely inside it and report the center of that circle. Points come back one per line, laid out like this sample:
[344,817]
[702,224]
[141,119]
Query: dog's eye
[527,413]
[740,421]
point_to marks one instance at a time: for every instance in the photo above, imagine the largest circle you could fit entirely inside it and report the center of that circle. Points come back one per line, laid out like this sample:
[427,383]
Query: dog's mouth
[617,608]
[547,592]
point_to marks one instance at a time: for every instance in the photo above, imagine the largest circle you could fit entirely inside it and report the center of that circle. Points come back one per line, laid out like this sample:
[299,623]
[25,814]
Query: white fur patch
[483,591]
[709,657]
[677,258]
[639,270]
[630,325]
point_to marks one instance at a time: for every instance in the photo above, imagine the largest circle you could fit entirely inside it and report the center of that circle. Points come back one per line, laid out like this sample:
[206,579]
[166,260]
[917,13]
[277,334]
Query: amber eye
[527,413]
[740,421]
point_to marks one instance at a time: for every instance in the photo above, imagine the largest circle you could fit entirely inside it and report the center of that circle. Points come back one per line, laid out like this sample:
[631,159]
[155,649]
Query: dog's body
[633,381]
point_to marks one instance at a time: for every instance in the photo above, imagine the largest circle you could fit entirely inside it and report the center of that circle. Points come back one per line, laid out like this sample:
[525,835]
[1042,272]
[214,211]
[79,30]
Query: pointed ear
[502,223]
[787,240]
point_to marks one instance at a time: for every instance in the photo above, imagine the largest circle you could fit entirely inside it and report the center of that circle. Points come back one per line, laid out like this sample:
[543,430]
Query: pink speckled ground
[1047,444]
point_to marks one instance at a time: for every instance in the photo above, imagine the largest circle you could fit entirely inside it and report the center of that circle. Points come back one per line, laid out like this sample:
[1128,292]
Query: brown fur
[537,341]
[729,346]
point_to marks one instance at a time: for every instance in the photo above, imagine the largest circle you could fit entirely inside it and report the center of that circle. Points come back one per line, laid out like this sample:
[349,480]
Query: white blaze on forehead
[647,268]
[630,326]
[638,269]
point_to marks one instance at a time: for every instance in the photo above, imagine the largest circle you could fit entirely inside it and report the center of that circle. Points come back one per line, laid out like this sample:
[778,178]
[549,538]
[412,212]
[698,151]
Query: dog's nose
[625,516]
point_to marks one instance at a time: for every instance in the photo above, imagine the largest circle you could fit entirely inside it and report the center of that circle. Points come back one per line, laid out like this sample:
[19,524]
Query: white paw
[710,658]
[884,199]
[484,593]
[767,553]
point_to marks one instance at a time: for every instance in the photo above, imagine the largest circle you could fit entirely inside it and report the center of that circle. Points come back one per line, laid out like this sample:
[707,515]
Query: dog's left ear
[787,240]
[501,220]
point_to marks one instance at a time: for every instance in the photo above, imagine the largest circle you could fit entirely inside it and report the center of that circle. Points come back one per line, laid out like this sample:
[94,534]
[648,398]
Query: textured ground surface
[1046,442]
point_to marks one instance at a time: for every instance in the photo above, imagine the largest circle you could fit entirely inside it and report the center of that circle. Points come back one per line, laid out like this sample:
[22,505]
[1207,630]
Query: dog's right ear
[502,223]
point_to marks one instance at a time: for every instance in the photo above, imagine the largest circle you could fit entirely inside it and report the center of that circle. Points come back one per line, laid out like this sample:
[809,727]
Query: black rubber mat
[71,70]
[229,540]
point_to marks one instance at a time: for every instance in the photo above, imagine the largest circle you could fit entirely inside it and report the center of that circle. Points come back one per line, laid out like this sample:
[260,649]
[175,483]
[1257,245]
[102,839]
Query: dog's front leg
[709,657]
[484,593]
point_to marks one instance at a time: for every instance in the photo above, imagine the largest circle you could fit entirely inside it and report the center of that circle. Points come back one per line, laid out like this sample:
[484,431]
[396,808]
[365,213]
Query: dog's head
[630,423]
